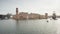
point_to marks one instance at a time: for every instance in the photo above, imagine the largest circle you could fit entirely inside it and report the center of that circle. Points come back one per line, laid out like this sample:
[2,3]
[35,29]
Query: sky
[30,6]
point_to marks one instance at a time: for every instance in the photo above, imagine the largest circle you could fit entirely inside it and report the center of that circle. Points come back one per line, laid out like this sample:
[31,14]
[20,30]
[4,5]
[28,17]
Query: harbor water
[11,26]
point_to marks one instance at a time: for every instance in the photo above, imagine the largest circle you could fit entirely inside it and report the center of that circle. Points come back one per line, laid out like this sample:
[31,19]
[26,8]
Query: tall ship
[54,16]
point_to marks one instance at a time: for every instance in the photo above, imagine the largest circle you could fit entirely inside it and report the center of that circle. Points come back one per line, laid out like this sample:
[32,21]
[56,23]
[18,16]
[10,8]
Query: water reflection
[17,26]
[29,26]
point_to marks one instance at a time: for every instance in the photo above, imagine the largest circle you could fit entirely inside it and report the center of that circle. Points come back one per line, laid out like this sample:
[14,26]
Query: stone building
[25,15]
[17,15]
[34,16]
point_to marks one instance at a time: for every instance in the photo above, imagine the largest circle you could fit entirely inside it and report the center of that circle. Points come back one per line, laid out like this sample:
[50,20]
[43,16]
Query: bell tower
[17,15]
[16,11]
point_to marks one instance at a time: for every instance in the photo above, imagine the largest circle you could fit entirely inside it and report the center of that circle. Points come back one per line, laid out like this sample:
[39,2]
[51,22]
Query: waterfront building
[46,15]
[17,15]
[25,15]
[34,16]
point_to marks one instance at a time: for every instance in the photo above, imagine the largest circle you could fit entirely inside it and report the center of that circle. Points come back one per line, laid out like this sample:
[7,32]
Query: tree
[8,15]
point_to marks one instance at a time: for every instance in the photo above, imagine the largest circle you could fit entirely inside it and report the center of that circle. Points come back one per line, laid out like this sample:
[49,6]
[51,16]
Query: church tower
[16,11]
[17,15]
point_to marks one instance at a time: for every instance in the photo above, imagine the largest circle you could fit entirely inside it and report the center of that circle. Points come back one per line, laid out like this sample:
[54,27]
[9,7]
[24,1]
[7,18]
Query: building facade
[25,15]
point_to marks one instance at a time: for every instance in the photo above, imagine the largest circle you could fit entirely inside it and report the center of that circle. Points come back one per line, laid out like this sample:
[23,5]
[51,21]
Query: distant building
[16,11]
[46,15]
[42,16]
[34,16]
[25,15]
[17,15]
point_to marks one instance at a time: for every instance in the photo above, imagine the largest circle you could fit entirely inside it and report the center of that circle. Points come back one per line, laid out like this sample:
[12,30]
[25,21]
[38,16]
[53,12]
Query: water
[11,26]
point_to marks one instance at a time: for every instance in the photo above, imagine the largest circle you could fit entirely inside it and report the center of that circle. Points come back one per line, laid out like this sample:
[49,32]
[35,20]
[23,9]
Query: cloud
[38,6]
